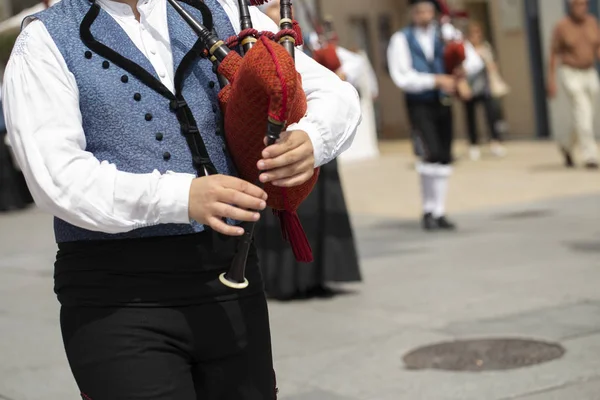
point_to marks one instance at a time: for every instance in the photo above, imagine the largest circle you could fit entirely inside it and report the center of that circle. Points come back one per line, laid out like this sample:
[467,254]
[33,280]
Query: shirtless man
[575,49]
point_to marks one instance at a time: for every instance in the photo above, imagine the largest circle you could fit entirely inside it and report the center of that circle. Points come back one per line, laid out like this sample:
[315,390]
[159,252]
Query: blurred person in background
[487,87]
[417,66]
[574,52]
[359,71]
[325,219]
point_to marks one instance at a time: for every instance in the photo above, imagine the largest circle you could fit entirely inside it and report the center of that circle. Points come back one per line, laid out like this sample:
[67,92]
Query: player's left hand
[289,162]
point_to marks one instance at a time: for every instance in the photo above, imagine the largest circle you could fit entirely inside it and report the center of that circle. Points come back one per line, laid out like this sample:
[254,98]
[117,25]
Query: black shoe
[591,165]
[444,224]
[568,158]
[429,223]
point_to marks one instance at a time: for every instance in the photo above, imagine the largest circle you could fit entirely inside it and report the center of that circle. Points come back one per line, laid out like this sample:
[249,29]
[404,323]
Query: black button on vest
[214,108]
[137,97]
[167,156]
[148,117]
[211,84]
[88,55]
[124,79]
[159,136]
[105,64]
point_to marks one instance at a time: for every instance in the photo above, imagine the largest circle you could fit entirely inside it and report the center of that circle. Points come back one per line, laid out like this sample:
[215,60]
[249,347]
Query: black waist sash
[149,272]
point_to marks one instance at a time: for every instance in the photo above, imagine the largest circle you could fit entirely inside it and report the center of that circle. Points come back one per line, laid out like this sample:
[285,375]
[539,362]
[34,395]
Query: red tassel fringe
[292,231]
[299,35]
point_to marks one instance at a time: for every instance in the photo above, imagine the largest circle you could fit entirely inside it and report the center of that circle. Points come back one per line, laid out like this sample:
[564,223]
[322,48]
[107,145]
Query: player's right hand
[215,197]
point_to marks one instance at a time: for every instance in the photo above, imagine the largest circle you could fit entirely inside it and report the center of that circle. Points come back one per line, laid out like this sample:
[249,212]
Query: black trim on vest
[189,127]
[207,18]
[109,54]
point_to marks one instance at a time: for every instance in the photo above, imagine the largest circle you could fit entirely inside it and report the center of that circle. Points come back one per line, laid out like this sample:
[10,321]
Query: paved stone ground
[528,269]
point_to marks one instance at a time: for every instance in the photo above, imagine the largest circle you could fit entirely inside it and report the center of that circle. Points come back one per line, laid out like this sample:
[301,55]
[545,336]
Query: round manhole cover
[483,355]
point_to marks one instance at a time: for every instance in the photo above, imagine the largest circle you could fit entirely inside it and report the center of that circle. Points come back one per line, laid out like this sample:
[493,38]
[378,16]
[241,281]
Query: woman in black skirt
[325,219]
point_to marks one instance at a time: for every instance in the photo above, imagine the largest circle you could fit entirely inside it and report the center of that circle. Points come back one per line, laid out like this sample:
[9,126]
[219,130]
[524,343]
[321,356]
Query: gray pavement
[527,271]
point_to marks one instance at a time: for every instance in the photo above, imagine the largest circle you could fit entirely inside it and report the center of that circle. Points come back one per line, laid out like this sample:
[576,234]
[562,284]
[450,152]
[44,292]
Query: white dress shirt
[41,105]
[400,59]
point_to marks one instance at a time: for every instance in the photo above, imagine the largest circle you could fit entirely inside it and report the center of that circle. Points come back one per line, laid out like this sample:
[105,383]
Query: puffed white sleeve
[401,70]
[44,122]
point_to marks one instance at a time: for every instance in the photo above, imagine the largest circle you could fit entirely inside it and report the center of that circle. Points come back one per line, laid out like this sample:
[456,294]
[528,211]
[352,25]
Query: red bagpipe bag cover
[454,56]
[327,57]
[265,84]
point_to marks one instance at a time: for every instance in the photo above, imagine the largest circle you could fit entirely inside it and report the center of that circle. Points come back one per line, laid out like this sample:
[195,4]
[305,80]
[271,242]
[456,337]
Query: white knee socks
[441,191]
[434,187]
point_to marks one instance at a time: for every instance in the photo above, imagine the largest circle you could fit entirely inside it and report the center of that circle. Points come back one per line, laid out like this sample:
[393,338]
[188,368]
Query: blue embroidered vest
[130,119]
[421,64]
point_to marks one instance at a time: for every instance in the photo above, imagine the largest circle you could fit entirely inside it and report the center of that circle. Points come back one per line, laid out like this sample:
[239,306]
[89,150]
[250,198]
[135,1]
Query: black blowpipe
[246,23]
[287,22]
[215,46]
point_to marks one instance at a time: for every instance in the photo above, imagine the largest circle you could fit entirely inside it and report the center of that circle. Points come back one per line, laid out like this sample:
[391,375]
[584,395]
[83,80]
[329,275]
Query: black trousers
[493,116]
[218,351]
[148,319]
[433,132]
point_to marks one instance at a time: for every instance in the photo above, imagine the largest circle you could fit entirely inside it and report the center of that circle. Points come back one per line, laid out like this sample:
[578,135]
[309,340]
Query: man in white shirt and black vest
[416,62]
[114,117]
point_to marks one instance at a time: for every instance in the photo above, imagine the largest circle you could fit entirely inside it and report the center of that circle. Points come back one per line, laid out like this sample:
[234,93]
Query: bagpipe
[325,53]
[261,94]
[454,51]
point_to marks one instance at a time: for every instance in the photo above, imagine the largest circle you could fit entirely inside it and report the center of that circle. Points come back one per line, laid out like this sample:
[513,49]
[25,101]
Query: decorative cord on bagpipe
[250,35]
[237,40]
[261,94]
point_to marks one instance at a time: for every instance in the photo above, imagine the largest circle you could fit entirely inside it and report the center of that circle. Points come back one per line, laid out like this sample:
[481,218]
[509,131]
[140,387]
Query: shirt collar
[119,9]
[430,29]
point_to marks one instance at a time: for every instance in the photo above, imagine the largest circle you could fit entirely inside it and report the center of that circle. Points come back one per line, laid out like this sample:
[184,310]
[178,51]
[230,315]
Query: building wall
[551,13]
[5,9]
